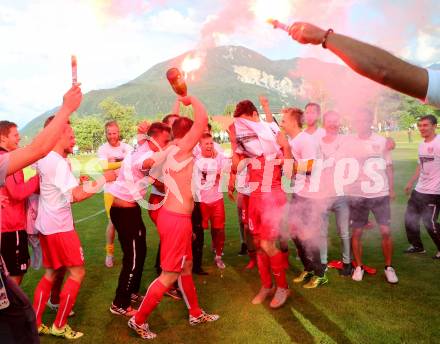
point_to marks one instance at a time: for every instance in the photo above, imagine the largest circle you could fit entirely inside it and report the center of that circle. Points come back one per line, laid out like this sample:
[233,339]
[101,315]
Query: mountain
[228,75]
[435,66]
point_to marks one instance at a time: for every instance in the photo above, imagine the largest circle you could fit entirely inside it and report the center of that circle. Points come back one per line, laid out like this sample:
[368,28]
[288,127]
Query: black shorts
[360,208]
[15,252]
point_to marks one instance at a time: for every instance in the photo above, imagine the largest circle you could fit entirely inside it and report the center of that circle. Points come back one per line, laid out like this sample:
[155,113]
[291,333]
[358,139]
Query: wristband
[324,41]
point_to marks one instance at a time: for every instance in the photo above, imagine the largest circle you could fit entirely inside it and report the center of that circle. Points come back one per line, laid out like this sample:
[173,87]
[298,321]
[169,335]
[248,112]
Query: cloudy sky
[117,40]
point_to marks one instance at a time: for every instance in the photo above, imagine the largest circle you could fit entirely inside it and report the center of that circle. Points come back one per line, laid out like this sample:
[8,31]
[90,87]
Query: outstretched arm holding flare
[48,137]
[367,60]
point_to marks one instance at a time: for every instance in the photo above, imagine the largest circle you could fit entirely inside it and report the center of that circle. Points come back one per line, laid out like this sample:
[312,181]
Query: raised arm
[48,137]
[266,108]
[367,60]
[188,142]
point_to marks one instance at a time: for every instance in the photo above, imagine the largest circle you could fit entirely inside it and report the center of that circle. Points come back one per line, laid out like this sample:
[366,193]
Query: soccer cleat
[54,307]
[346,270]
[413,249]
[65,332]
[174,294]
[335,264]
[243,250]
[128,312]
[304,276]
[109,261]
[136,298]
[436,256]
[280,297]
[219,262]
[43,329]
[324,267]
[390,275]
[202,318]
[263,293]
[358,274]
[142,330]
[315,282]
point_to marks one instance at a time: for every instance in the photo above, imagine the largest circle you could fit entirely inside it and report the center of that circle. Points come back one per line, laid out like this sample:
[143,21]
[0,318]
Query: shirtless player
[174,222]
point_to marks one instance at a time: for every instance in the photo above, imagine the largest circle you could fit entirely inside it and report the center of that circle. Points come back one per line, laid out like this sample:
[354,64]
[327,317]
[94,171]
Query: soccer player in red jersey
[60,243]
[209,166]
[255,140]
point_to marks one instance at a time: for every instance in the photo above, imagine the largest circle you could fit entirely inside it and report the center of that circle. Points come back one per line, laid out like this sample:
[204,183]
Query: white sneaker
[219,262]
[390,275]
[263,293]
[280,297]
[358,274]
[203,318]
[142,330]
[109,261]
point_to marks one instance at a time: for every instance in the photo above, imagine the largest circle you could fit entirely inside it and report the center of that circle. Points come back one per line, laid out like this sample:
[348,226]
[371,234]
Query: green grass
[341,312]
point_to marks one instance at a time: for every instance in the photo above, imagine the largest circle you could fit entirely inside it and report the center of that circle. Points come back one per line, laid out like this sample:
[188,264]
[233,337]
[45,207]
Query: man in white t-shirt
[305,208]
[59,241]
[312,114]
[129,191]
[196,218]
[372,190]
[424,203]
[197,152]
[207,174]
[332,150]
[111,155]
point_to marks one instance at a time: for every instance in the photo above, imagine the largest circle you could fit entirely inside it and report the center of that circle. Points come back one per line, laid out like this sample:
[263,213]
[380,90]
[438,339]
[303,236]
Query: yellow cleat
[303,277]
[65,332]
[43,329]
[315,282]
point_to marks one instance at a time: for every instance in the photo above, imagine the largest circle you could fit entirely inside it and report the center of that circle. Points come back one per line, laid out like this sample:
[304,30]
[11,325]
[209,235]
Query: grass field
[344,311]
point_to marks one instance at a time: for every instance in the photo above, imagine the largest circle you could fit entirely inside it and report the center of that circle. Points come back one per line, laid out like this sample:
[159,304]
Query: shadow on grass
[300,319]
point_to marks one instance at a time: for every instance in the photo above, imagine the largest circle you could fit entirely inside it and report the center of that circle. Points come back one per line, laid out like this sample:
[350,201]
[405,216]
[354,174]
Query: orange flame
[265,9]
[190,64]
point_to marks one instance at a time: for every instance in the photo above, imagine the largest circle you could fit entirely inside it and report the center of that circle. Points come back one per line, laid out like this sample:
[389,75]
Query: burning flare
[266,9]
[190,64]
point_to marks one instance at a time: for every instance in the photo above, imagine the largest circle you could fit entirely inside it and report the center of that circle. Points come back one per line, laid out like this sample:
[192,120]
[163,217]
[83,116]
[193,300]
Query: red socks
[278,266]
[151,301]
[218,238]
[186,285]
[263,263]
[67,300]
[41,296]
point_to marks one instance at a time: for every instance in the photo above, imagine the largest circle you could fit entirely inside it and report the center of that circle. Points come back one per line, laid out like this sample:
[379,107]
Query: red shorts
[243,204]
[213,213]
[175,232]
[154,200]
[266,214]
[61,249]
